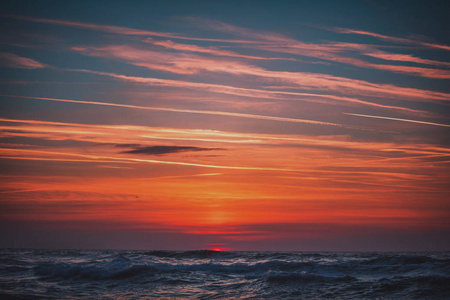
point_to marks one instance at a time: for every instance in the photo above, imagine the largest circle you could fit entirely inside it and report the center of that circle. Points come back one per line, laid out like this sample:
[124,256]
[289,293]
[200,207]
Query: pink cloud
[390,38]
[216,88]
[189,64]
[258,35]
[104,28]
[190,111]
[405,58]
[15,61]
[276,42]
[423,72]
[209,50]
[332,51]
[166,61]
[335,54]
[119,29]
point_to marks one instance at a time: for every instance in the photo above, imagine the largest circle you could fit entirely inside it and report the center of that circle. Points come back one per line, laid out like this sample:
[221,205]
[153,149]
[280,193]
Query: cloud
[168,44]
[404,58]
[128,145]
[260,36]
[11,60]
[119,29]
[179,63]
[335,51]
[390,38]
[190,111]
[51,156]
[191,64]
[267,41]
[398,119]
[96,27]
[122,135]
[163,150]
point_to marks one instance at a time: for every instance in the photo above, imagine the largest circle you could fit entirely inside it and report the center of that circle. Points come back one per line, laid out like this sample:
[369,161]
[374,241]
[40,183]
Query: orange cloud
[126,134]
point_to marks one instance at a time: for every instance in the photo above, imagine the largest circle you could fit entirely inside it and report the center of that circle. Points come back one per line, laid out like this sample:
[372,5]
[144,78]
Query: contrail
[398,119]
[192,111]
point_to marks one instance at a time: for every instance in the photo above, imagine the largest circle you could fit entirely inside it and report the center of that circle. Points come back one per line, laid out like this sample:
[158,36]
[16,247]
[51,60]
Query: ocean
[100,274]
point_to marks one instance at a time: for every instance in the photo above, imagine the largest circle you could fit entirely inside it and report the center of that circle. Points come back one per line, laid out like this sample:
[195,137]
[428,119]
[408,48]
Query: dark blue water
[73,274]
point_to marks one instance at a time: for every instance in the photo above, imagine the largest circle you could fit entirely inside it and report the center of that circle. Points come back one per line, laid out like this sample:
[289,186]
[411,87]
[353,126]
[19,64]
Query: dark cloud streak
[163,150]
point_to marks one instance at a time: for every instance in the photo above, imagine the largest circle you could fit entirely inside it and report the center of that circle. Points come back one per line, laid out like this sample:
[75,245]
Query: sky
[233,125]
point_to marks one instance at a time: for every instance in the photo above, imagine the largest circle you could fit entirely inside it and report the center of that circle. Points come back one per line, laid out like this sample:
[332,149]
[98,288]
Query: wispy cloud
[191,111]
[191,64]
[272,42]
[132,136]
[168,44]
[404,58]
[390,38]
[333,51]
[336,54]
[256,35]
[118,29]
[97,27]
[166,61]
[12,60]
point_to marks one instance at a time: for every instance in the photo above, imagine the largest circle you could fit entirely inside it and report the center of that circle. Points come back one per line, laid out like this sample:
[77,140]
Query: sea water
[97,274]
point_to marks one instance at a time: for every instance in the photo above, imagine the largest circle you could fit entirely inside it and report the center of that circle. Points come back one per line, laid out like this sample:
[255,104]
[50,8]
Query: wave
[296,278]
[212,274]
[205,254]
[117,269]
[200,254]
[10,296]
[403,260]
[123,268]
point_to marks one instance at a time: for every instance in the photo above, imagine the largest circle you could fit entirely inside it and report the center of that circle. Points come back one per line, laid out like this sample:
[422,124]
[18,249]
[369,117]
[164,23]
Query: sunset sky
[240,125]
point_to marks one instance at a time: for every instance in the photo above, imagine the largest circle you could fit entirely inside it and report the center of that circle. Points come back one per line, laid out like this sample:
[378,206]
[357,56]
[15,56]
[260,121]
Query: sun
[219,249]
